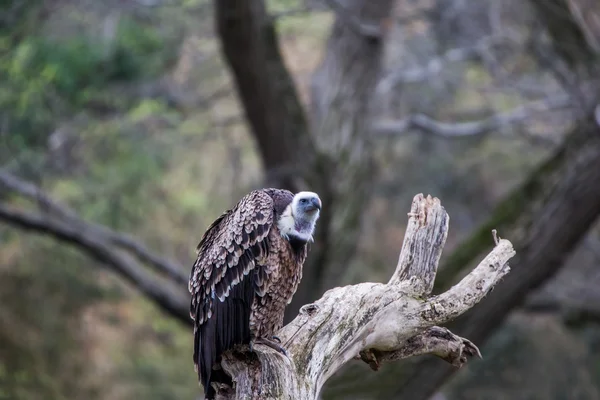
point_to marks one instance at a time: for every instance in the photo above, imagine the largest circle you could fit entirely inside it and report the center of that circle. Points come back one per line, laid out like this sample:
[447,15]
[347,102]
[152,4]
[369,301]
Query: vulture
[248,267]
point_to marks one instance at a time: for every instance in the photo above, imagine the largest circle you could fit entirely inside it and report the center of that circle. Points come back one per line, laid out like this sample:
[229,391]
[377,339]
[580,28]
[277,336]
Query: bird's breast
[282,275]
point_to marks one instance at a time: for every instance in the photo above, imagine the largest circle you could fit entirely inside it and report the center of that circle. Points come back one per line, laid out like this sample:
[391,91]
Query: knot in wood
[433,311]
[309,309]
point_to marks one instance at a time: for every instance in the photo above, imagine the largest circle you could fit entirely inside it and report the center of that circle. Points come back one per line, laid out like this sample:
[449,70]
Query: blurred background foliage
[125,111]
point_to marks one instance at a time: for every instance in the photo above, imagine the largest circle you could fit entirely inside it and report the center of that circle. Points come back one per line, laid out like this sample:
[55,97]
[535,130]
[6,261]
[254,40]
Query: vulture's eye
[303,201]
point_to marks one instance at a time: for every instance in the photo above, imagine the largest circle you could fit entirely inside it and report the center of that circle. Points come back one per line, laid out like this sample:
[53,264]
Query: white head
[300,217]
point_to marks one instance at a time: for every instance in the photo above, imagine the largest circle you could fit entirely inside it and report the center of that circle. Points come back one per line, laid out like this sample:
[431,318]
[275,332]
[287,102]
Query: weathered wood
[375,322]
[547,227]
[424,240]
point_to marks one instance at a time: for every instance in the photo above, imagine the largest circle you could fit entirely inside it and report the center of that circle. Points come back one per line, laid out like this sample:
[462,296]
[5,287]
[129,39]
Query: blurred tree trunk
[574,34]
[266,89]
[330,154]
[545,217]
[341,92]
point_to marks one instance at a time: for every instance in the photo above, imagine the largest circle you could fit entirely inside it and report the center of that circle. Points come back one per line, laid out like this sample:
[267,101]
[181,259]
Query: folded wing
[224,279]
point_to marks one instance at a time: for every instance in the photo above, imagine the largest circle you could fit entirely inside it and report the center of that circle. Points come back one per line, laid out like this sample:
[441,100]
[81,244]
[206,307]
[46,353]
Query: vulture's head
[299,219]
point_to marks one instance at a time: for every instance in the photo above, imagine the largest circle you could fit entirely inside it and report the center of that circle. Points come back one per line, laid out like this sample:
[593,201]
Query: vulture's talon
[271,344]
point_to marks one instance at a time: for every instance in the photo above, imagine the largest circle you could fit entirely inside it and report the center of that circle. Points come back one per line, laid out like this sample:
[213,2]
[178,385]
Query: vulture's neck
[297,231]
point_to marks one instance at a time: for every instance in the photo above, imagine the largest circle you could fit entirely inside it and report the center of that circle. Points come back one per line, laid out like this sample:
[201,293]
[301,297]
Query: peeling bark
[375,322]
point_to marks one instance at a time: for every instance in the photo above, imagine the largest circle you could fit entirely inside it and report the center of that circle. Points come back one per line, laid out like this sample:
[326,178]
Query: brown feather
[244,276]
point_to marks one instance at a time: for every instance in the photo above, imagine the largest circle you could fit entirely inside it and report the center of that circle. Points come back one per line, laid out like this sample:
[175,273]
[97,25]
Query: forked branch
[373,322]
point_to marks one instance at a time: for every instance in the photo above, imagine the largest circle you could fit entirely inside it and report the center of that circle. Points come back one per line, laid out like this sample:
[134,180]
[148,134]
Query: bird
[248,267]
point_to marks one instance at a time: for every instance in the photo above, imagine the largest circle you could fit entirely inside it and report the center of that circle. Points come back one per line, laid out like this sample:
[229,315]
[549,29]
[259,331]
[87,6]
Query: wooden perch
[373,322]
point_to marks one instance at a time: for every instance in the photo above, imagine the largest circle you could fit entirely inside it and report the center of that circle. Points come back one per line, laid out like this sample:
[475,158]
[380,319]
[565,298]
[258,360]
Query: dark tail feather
[206,356]
[229,325]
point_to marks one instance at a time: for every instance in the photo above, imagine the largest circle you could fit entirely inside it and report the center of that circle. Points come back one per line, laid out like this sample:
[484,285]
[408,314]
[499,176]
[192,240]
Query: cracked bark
[375,322]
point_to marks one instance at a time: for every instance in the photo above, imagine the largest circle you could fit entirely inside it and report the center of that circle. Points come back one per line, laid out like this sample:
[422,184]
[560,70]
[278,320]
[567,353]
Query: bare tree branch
[68,216]
[547,215]
[460,129]
[425,236]
[437,64]
[173,301]
[374,322]
[435,340]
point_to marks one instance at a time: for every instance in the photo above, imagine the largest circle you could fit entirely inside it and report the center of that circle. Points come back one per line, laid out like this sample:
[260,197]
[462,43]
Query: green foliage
[114,172]
[122,165]
[70,69]
[17,18]
[45,78]
[159,366]
[44,304]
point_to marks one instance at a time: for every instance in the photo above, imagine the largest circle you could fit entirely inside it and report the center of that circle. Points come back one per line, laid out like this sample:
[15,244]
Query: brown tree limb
[172,300]
[66,215]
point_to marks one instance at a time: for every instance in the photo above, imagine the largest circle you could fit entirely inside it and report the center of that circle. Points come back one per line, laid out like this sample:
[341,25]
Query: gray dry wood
[372,322]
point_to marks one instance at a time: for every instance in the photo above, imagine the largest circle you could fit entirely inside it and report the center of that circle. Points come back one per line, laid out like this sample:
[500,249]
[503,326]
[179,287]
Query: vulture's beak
[315,204]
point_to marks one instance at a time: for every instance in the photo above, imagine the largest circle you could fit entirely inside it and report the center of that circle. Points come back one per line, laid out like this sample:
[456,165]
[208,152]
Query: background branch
[494,123]
[437,64]
[68,216]
[173,301]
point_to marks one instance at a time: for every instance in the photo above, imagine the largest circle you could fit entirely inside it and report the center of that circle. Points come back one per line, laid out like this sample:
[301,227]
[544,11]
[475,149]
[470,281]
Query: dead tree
[372,322]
